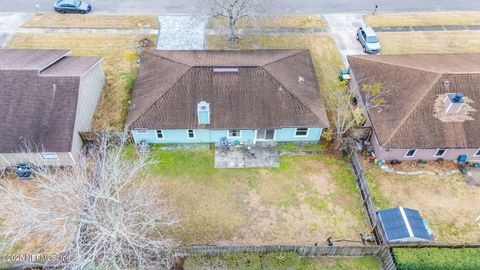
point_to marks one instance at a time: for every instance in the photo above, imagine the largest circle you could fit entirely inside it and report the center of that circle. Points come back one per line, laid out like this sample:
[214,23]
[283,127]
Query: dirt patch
[447,202]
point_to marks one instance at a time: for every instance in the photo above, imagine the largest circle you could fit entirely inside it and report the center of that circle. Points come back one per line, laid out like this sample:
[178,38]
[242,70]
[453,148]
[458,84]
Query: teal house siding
[213,136]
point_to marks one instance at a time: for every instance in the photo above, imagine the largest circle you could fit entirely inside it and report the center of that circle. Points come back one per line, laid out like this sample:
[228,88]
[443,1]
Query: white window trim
[234,137]
[477,152]
[301,136]
[411,155]
[438,149]
[274,135]
[53,154]
[194,135]
[156,134]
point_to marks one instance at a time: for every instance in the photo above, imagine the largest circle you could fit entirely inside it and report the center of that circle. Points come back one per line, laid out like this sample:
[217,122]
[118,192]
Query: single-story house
[46,98]
[245,96]
[404,225]
[431,108]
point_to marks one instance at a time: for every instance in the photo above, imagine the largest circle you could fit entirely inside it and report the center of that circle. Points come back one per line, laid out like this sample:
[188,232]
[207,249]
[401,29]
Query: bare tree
[100,213]
[232,11]
[348,107]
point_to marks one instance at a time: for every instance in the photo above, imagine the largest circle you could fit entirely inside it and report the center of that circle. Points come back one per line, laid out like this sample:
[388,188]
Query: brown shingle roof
[171,83]
[36,109]
[415,82]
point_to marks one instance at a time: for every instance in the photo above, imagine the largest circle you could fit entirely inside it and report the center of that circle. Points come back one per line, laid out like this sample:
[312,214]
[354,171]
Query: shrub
[437,258]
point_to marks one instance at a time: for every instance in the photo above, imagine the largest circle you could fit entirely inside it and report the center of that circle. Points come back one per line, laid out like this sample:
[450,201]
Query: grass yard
[447,202]
[94,21]
[278,261]
[278,21]
[113,107]
[423,19]
[306,200]
[430,42]
[326,59]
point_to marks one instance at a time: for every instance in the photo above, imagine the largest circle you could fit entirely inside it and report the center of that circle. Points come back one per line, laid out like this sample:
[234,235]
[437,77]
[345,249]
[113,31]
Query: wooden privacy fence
[367,202]
[304,251]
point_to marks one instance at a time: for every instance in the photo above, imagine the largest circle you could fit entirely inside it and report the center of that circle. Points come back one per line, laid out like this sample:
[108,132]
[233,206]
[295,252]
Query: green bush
[437,258]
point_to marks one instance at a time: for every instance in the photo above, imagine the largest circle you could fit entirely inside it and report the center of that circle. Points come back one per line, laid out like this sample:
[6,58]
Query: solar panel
[393,224]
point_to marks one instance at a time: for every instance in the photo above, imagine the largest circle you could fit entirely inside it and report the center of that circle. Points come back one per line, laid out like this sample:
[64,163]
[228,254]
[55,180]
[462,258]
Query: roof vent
[454,102]
[446,84]
[301,80]
[280,88]
[225,70]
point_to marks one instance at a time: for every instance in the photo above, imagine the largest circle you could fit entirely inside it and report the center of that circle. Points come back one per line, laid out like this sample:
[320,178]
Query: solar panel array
[393,224]
[416,223]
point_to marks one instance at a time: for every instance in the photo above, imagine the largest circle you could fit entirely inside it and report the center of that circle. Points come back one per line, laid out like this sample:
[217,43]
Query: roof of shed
[38,98]
[264,93]
[403,223]
[415,84]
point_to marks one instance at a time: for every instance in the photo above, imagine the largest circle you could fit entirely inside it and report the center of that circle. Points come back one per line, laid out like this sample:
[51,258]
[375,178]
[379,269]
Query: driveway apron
[344,28]
[9,24]
[181,32]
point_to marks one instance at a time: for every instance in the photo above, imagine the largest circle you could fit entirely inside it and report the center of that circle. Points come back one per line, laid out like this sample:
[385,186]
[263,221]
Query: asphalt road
[274,6]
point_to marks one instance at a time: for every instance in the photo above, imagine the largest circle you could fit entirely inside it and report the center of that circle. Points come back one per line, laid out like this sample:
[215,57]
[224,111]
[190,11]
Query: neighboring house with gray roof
[244,96]
[46,99]
[432,105]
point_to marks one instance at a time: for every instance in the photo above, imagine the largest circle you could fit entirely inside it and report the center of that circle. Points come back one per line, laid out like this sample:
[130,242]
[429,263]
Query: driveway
[9,24]
[181,32]
[343,28]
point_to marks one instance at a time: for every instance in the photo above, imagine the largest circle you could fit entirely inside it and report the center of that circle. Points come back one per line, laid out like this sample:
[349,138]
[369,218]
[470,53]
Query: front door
[265,134]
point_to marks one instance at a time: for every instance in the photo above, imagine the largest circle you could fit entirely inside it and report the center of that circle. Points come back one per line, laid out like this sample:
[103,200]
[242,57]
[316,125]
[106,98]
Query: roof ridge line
[169,88]
[371,59]
[295,96]
[286,57]
[166,58]
[439,75]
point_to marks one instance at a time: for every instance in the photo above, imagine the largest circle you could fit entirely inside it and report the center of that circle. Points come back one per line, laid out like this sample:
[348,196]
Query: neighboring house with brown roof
[46,99]
[432,107]
[244,96]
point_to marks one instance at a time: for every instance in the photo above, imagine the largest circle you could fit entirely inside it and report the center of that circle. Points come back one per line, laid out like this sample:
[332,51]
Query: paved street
[160,7]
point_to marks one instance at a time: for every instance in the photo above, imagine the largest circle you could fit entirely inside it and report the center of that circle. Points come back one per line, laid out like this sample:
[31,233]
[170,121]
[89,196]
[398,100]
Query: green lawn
[306,200]
[278,261]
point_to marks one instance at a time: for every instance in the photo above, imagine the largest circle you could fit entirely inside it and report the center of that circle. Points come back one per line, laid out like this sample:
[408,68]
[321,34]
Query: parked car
[368,39]
[72,6]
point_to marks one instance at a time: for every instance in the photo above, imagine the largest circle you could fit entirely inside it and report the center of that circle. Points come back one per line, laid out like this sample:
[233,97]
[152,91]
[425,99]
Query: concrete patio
[247,156]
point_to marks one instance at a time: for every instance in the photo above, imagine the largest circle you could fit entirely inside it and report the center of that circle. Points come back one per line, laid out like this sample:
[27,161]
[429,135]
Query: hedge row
[436,258]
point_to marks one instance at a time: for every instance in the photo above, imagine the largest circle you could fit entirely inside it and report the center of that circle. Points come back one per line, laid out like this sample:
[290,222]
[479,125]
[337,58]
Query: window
[440,152]
[411,153]
[159,134]
[234,133]
[191,134]
[301,132]
[477,153]
[49,156]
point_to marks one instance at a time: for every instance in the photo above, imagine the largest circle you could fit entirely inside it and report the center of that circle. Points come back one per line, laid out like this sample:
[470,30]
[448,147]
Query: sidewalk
[344,28]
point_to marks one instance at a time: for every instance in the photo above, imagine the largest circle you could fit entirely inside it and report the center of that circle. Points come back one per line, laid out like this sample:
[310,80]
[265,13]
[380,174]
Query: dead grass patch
[93,21]
[278,21]
[423,19]
[301,202]
[447,202]
[113,107]
[430,42]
